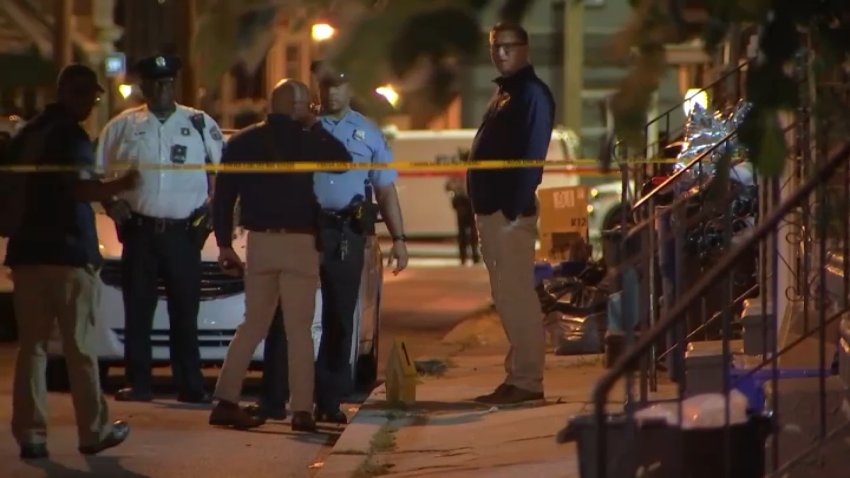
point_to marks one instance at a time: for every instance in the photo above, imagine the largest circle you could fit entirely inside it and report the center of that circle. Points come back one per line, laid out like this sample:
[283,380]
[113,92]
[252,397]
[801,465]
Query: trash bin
[659,450]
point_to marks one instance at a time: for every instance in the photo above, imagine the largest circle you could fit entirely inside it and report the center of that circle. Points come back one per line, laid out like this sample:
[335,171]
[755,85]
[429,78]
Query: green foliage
[788,26]
[421,42]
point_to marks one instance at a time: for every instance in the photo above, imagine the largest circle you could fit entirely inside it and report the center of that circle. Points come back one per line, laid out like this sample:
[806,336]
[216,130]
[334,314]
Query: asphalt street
[169,439]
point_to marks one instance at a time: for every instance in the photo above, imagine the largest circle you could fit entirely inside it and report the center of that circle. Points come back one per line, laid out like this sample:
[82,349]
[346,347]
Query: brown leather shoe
[227,414]
[500,390]
[303,422]
[513,396]
[259,410]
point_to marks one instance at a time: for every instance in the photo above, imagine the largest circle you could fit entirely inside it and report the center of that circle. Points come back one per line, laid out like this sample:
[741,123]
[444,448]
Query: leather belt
[282,230]
[159,224]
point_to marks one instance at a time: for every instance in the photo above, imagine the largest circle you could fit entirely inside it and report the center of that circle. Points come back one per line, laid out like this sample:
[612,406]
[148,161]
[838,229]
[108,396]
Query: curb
[353,448]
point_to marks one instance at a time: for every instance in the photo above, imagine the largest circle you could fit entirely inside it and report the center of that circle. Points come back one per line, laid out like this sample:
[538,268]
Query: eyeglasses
[507,46]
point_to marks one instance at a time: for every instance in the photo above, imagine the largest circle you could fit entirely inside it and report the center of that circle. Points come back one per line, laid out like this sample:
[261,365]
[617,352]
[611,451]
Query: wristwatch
[401,238]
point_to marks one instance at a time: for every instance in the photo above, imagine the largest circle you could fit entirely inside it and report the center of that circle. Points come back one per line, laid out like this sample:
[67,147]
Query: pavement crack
[540,437]
[432,450]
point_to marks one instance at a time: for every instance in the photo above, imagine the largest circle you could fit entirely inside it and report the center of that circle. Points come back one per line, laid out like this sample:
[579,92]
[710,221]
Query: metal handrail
[705,88]
[675,177]
[741,298]
[632,355]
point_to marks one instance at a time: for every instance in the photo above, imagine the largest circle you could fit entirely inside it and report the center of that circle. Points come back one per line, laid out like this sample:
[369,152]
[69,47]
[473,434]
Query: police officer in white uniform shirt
[162,224]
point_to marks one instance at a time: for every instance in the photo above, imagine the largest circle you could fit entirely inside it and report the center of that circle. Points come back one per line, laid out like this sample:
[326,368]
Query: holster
[364,216]
[201,225]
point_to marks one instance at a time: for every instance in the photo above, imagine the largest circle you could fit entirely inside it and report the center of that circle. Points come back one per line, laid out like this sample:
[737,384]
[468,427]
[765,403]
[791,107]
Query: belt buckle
[159,225]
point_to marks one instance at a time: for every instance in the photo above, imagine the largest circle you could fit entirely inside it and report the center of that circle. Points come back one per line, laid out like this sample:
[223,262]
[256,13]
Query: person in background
[162,225]
[517,125]
[55,261]
[280,213]
[467,230]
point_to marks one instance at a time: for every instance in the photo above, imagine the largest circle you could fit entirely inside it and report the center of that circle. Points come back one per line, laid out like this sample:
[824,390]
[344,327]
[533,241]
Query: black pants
[340,289]
[275,385]
[168,256]
[467,230]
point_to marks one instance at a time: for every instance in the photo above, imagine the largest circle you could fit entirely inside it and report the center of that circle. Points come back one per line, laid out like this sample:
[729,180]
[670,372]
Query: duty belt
[158,224]
[281,230]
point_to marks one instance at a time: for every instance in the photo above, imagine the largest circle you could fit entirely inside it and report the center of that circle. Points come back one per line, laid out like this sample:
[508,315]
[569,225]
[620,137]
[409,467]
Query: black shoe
[514,396]
[130,394]
[226,414]
[119,433]
[33,451]
[337,416]
[303,422]
[501,389]
[259,410]
[195,397]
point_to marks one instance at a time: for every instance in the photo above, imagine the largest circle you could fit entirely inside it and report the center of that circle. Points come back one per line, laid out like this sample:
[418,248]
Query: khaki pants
[281,267]
[508,250]
[45,295]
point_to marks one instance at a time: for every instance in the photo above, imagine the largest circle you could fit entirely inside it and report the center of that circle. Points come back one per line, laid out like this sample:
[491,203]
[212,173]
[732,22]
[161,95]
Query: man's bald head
[290,97]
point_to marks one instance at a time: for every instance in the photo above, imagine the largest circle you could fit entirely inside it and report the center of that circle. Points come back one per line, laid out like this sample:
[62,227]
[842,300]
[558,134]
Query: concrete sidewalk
[446,434]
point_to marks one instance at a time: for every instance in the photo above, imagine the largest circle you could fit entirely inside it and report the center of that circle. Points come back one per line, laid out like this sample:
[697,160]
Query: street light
[389,93]
[695,97]
[125,90]
[322,32]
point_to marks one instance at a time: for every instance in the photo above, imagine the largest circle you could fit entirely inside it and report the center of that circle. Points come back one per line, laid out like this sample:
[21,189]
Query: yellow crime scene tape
[575,166]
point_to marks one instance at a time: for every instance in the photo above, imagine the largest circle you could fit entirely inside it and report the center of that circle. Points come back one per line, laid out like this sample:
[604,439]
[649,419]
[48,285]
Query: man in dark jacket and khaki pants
[517,125]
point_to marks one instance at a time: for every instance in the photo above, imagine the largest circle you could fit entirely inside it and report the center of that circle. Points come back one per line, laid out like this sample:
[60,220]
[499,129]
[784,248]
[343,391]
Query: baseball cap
[77,72]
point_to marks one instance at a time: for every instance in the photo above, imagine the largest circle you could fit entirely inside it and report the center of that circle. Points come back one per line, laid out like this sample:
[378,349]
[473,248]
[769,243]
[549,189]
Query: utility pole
[186,32]
[573,64]
[62,51]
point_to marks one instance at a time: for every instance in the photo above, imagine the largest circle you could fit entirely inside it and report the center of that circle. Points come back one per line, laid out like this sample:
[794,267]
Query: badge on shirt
[185,131]
[359,135]
[178,154]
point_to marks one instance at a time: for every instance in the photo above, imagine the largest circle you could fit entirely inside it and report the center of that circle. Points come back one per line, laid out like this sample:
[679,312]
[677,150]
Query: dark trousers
[168,256]
[275,384]
[467,229]
[340,278]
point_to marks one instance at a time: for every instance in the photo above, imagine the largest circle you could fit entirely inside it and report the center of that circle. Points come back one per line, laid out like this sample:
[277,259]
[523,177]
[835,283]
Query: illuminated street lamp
[695,97]
[389,93]
[322,32]
[125,90]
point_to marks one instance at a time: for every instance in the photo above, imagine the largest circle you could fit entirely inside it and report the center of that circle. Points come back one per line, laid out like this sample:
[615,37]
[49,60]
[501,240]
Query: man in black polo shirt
[55,260]
[280,212]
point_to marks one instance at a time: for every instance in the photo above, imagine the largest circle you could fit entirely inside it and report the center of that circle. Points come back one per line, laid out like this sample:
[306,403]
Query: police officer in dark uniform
[280,213]
[160,225]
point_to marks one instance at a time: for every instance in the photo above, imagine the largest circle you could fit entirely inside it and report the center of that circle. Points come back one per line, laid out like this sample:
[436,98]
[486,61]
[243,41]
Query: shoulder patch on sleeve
[215,133]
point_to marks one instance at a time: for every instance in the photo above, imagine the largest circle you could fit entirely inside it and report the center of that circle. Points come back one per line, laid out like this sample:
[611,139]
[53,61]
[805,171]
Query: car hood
[110,247]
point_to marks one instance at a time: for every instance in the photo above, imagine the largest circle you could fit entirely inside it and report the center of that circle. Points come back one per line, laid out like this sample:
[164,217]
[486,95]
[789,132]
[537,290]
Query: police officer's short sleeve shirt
[136,137]
[367,144]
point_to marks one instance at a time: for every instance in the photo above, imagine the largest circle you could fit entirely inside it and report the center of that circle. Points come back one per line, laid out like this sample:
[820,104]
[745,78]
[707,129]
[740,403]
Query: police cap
[160,66]
[326,74]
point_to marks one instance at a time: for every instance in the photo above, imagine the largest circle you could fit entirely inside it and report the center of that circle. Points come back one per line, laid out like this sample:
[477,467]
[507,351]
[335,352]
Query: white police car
[221,311]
